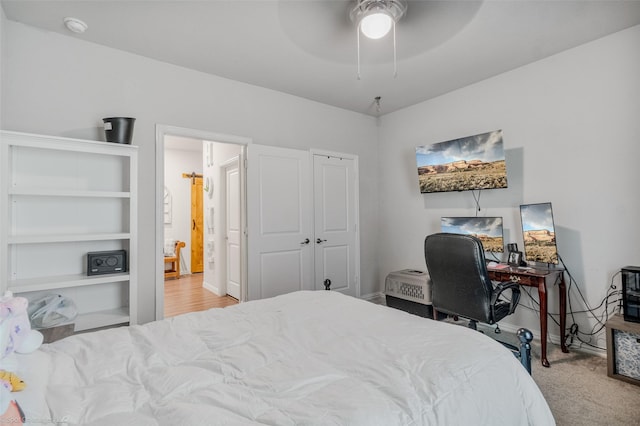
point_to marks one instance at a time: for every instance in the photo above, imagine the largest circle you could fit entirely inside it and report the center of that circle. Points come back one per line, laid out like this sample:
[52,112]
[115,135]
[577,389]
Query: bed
[304,358]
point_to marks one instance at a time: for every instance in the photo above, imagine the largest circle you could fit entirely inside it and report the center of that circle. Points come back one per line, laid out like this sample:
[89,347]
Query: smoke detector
[75,25]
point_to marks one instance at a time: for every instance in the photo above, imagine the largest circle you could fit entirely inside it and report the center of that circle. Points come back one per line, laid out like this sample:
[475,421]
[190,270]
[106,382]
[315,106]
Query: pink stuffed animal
[16,335]
[13,311]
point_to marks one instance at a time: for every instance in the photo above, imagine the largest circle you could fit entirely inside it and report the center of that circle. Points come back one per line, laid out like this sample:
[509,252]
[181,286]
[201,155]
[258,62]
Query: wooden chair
[174,261]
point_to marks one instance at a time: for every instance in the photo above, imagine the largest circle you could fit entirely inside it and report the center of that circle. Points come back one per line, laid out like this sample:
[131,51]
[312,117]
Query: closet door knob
[318,241]
[306,241]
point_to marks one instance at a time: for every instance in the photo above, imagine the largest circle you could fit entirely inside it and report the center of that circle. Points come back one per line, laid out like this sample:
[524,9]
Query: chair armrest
[515,294]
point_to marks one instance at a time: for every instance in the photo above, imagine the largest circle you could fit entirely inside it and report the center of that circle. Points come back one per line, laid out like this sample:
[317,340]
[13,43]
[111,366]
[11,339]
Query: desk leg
[563,313]
[542,294]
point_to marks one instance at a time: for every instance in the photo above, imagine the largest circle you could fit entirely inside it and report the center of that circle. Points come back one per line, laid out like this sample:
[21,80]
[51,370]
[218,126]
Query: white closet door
[335,229]
[280,232]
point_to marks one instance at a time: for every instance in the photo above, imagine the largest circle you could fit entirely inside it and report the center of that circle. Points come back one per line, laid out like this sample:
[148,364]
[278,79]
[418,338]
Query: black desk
[537,278]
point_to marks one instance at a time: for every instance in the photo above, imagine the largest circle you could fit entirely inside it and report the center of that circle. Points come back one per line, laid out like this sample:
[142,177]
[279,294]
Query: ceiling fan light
[376,25]
[375,19]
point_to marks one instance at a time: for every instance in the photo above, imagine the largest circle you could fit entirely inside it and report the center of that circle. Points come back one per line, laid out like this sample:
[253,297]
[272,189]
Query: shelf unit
[60,199]
[623,349]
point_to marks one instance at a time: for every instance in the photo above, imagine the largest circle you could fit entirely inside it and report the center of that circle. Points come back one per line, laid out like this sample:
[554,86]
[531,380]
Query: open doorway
[223,212]
[182,208]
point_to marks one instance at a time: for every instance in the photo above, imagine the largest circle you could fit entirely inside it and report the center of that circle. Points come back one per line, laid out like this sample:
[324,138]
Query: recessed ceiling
[307,48]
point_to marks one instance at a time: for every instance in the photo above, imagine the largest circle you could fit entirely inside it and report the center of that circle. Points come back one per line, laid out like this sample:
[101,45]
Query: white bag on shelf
[51,310]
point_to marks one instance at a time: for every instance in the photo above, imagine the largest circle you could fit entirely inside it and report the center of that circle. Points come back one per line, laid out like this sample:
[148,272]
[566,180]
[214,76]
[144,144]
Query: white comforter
[305,358]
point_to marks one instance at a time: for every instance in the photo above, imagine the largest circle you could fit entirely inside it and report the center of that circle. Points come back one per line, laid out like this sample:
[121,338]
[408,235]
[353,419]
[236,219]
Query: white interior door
[233,235]
[280,231]
[335,228]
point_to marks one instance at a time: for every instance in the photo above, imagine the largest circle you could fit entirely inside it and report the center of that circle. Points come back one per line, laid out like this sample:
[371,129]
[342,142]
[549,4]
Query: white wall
[59,85]
[177,162]
[571,129]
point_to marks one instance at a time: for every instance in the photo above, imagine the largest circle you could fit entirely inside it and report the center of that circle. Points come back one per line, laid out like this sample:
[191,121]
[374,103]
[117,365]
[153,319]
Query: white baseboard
[555,339]
[373,297]
[214,289]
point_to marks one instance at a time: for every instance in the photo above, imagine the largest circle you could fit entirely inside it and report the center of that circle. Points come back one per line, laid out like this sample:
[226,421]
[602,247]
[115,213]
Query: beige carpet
[579,392]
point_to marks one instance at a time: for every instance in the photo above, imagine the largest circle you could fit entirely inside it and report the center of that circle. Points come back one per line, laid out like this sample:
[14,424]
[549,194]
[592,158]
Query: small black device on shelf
[631,293]
[106,262]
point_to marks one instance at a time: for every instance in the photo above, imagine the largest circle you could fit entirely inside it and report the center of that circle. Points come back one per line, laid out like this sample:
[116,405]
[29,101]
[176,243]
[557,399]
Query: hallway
[186,294]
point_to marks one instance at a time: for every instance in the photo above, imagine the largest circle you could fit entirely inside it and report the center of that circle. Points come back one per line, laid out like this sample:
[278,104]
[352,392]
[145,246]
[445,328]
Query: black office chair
[460,286]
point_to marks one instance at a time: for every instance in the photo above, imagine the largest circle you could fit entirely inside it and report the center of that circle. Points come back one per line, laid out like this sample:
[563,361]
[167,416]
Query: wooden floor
[186,294]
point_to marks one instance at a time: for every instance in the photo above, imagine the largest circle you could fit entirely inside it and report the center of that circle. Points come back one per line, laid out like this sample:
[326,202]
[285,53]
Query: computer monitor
[487,229]
[539,233]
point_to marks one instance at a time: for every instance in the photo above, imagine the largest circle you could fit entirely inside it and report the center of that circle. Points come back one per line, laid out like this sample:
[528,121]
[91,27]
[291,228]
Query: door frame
[356,195]
[167,130]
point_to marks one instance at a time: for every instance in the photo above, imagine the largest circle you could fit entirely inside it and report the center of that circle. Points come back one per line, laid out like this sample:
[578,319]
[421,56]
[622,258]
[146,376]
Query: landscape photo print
[472,162]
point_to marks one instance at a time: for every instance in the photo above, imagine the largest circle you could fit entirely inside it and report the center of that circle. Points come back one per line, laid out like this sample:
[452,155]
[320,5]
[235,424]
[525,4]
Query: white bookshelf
[61,198]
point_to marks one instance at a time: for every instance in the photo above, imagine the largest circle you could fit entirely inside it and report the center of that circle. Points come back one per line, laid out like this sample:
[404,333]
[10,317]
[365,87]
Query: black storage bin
[119,129]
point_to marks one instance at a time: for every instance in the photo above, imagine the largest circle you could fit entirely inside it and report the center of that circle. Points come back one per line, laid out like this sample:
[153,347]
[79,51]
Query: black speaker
[106,262]
[631,293]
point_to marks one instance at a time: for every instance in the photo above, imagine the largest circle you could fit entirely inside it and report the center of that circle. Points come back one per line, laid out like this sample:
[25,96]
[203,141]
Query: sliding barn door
[335,227]
[279,217]
[197,234]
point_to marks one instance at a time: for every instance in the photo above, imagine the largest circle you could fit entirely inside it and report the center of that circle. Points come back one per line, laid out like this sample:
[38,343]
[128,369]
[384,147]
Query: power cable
[477,199]
[573,331]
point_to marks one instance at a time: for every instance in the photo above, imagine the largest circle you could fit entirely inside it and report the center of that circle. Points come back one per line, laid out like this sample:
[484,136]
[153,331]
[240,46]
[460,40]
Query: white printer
[409,290]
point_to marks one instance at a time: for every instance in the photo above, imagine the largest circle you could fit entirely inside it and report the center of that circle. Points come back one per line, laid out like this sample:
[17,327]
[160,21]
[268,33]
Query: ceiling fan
[326,29]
